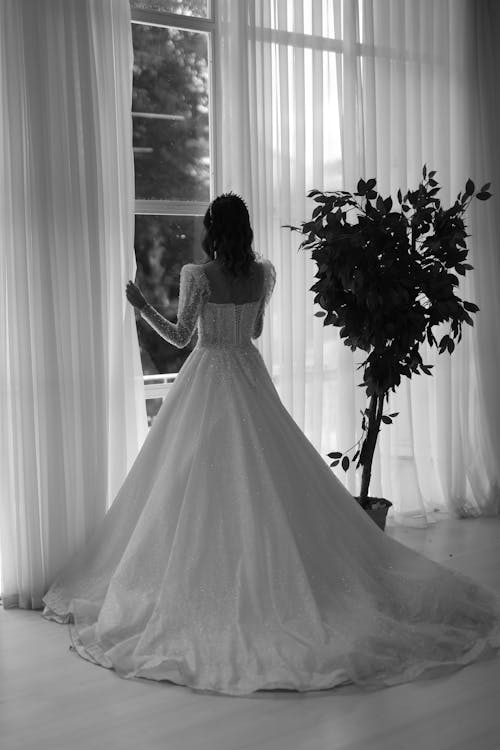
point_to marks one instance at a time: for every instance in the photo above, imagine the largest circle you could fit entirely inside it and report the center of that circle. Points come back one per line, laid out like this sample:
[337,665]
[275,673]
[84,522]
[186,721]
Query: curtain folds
[305,99]
[315,94]
[485,229]
[71,391]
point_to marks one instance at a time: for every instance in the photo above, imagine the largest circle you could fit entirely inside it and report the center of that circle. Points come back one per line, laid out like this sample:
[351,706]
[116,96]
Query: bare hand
[135,296]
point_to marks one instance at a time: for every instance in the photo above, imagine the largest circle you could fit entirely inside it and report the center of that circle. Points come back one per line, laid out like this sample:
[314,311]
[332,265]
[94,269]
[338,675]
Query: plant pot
[377,508]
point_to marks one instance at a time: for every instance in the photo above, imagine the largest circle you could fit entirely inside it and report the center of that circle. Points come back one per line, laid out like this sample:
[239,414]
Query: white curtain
[71,392]
[484,23]
[316,94]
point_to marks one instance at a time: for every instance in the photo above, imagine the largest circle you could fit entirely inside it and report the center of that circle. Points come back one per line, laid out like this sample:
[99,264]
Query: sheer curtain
[484,23]
[317,93]
[71,396]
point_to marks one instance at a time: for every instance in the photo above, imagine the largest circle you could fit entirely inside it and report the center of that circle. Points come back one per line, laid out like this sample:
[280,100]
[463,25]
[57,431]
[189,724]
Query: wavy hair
[229,234]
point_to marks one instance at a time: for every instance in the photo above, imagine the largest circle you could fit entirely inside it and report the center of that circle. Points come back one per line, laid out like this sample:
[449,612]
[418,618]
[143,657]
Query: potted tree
[387,276]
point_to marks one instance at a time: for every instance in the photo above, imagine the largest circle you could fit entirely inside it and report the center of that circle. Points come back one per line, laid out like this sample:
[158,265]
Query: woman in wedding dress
[232,559]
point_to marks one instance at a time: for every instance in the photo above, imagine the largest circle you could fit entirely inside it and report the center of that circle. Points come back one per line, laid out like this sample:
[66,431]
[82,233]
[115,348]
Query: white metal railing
[157,386]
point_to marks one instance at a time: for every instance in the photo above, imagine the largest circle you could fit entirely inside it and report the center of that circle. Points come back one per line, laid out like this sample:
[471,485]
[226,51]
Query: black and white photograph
[249,374]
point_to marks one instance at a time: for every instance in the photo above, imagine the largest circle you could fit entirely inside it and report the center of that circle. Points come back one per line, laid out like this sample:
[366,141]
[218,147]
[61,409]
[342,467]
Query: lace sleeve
[193,292]
[269,282]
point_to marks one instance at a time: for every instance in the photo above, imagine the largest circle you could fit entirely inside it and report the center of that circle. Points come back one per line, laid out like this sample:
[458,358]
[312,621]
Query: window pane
[163,244]
[152,408]
[170,114]
[198,8]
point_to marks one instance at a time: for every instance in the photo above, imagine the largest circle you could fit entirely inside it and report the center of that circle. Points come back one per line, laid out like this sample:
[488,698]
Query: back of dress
[233,324]
[226,325]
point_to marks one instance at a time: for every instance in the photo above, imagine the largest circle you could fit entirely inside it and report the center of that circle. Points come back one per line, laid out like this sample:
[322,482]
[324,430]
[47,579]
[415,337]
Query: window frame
[157,386]
[186,23]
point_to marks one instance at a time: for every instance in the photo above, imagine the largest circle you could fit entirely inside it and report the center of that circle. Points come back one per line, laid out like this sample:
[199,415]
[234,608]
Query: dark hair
[229,234]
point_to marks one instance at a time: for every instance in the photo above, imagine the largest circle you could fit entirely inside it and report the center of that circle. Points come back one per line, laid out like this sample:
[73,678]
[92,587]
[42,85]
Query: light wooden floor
[51,698]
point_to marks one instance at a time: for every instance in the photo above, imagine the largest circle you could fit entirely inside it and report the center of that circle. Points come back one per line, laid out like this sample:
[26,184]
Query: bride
[232,558]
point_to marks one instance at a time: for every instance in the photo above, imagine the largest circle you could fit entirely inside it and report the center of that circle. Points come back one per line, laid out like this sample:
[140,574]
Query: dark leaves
[468,319]
[386,279]
[361,187]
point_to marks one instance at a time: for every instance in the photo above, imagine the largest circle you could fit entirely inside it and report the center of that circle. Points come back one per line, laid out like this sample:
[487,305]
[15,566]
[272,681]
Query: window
[173,156]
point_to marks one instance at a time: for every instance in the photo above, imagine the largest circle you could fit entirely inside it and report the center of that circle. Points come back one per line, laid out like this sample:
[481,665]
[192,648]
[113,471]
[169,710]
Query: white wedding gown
[233,559]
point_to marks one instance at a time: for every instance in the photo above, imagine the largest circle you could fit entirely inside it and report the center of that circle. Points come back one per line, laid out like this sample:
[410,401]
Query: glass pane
[198,8]
[163,244]
[152,408]
[170,114]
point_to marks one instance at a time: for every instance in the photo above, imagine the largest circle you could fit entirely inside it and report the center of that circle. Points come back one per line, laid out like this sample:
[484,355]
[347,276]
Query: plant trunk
[370,442]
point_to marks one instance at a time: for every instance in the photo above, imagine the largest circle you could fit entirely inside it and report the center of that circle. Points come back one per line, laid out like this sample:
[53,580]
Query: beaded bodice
[225,325]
